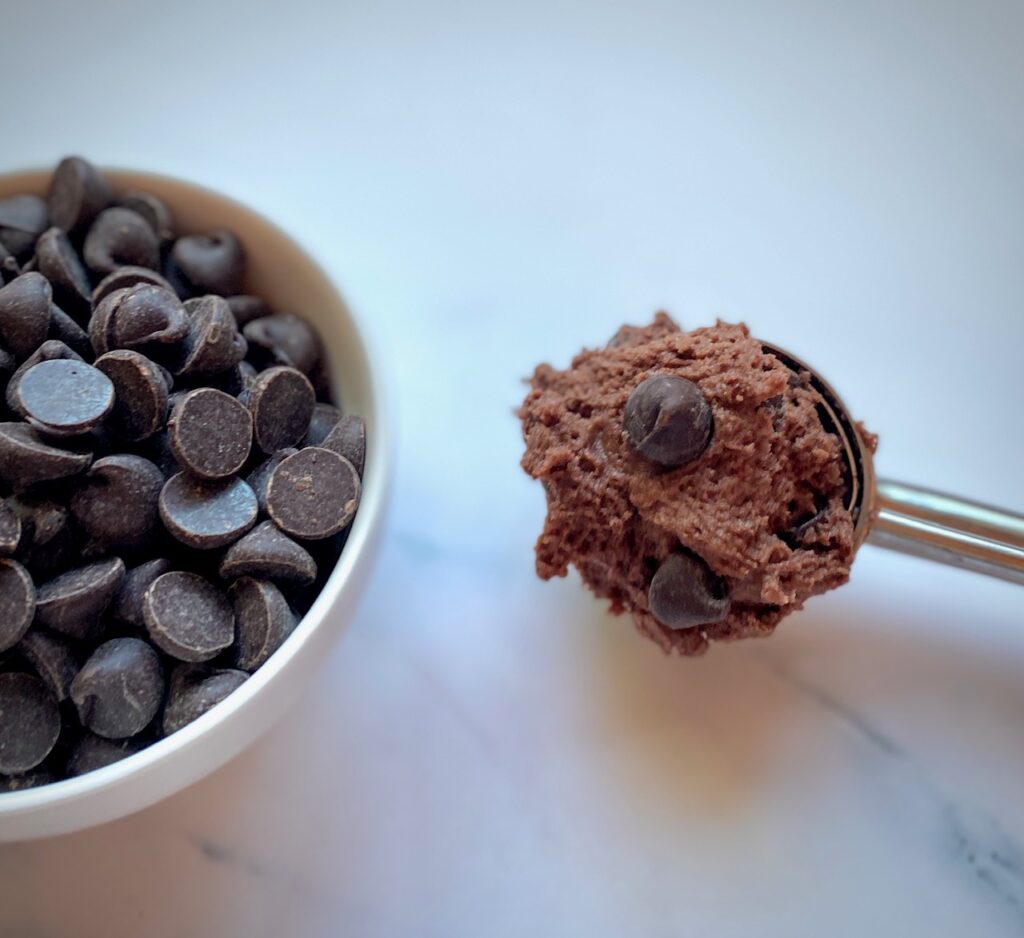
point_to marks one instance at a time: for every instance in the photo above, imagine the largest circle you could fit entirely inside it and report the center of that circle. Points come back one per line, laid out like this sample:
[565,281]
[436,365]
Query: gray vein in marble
[223,855]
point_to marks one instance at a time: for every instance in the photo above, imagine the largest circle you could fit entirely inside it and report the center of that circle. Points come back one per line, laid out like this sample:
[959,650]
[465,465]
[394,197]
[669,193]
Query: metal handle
[949,530]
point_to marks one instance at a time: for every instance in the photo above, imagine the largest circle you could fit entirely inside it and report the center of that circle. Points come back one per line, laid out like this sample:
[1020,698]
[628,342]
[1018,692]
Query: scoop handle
[949,530]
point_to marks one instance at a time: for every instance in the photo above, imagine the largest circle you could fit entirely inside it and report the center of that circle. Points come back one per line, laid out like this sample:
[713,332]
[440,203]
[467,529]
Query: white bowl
[288,277]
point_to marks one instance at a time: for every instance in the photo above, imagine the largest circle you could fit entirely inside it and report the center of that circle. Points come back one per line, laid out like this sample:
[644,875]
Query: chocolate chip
[207,514]
[51,350]
[325,416]
[268,554]
[23,218]
[213,263]
[26,458]
[17,602]
[25,313]
[153,209]
[116,502]
[125,277]
[138,317]
[210,433]
[120,237]
[263,621]
[93,752]
[667,420]
[34,778]
[195,689]
[74,602]
[685,593]
[9,266]
[259,478]
[10,529]
[64,329]
[282,339]
[119,689]
[246,308]
[59,263]
[281,400]
[140,394]
[348,439]
[127,606]
[313,494]
[78,193]
[52,658]
[29,722]
[48,542]
[213,343]
[188,617]
[64,397]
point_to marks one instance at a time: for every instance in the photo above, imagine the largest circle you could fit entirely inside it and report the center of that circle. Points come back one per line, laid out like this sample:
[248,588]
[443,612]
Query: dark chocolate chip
[51,350]
[10,529]
[282,339]
[23,218]
[213,263]
[213,343]
[78,193]
[9,266]
[125,277]
[48,540]
[120,237]
[140,394]
[207,514]
[138,317]
[281,400]
[116,502]
[195,689]
[64,397]
[119,689]
[93,752]
[348,439]
[260,476]
[17,602]
[26,458]
[59,263]
[685,593]
[210,433]
[52,658]
[35,778]
[313,494]
[127,606]
[25,313]
[325,416]
[263,621]
[246,308]
[74,602]
[188,617]
[268,554]
[668,420]
[64,329]
[158,216]
[29,722]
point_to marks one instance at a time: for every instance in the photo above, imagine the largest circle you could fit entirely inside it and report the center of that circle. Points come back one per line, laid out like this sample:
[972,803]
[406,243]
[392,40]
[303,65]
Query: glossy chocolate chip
[685,593]
[116,502]
[140,394]
[246,308]
[153,209]
[204,514]
[188,617]
[93,752]
[668,420]
[313,494]
[52,658]
[139,317]
[78,193]
[26,458]
[25,313]
[213,343]
[10,529]
[281,400]
[348,438]
[210,433]
[125,277]
[268,554]
[195,689]
[51,350]
[29,722]
[23,218]
[64,329]
[119,688]
[120,237]
[74,602]
[64,397]
[213,263]
[325,416]
[282,339]
[127,607]
[17,602]
[59,263]
[259,478]
[263,620]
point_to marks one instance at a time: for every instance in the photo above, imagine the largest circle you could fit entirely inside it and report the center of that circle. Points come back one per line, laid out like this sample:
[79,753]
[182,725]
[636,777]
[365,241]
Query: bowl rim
[369,518]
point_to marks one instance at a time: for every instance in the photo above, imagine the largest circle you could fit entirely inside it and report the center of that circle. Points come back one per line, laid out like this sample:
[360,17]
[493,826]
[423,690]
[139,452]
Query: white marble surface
[485,754]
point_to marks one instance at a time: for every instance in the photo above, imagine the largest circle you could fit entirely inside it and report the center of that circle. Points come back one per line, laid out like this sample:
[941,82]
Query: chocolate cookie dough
[691,482]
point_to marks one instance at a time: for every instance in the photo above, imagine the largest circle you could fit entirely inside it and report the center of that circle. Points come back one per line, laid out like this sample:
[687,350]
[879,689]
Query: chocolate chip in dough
[685,593]
[668,420]
[188,617]
[313,494]
[119,689]
[29,722]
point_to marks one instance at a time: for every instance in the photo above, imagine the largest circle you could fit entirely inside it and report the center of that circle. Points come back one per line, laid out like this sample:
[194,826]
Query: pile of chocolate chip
[176,482]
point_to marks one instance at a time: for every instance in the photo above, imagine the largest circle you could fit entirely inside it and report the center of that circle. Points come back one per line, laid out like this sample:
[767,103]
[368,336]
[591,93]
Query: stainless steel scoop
[910,519]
